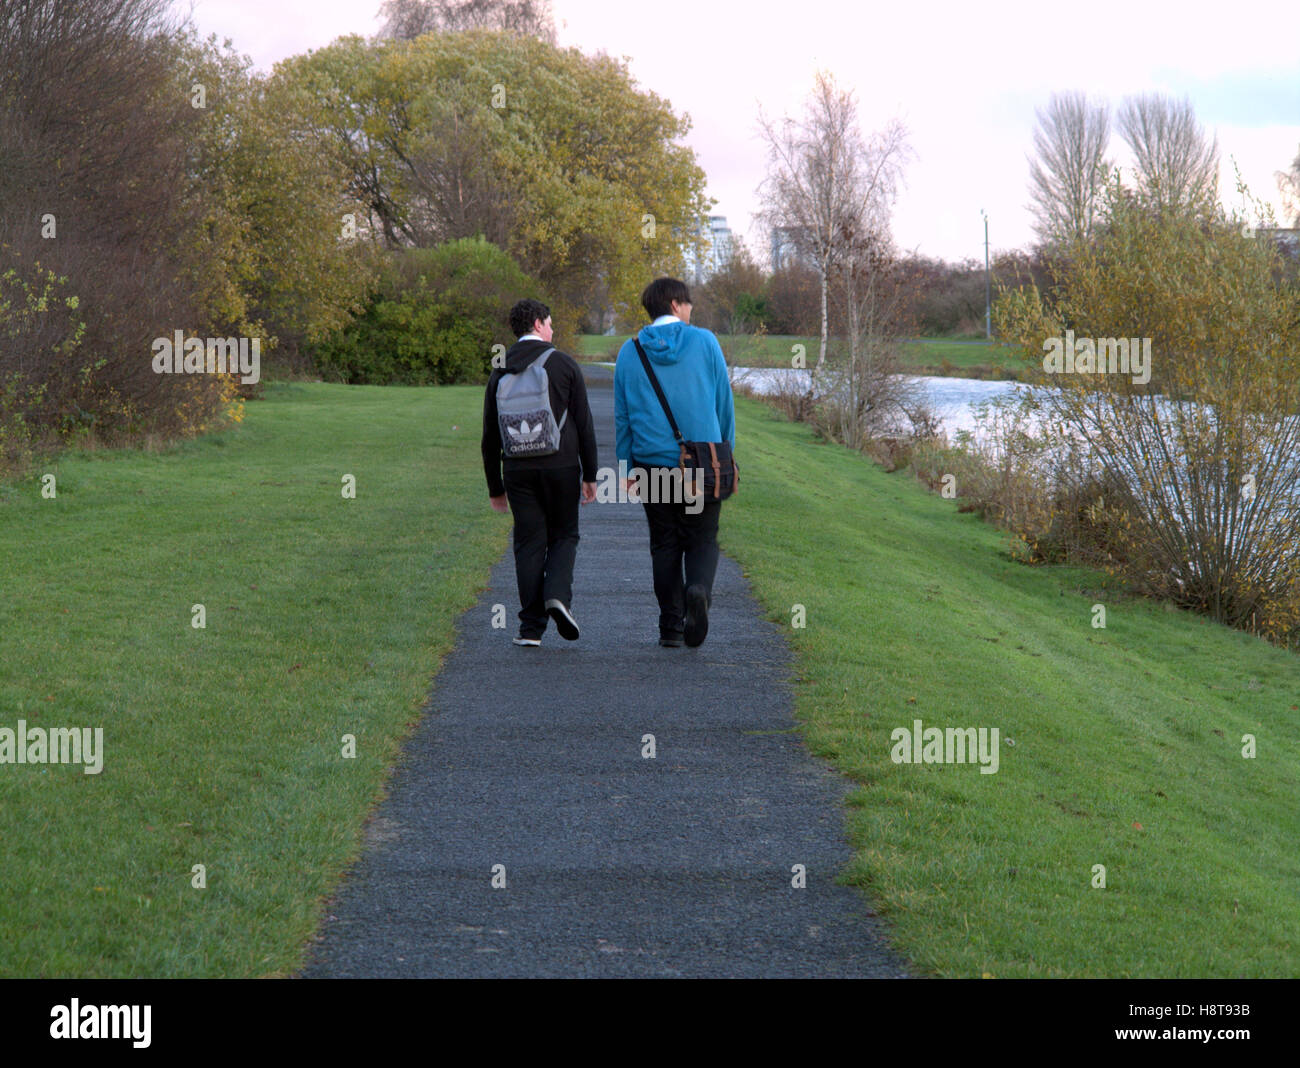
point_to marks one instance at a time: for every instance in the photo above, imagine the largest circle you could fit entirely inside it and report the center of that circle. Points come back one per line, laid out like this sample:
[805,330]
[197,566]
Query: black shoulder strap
[650,372]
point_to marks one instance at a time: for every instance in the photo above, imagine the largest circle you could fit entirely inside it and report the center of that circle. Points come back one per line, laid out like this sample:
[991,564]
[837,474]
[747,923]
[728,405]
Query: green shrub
[1083,519]
[433,319]
[41,335]
[17,438]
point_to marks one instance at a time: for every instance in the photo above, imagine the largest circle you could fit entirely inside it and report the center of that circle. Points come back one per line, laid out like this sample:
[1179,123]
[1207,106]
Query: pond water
[953,400]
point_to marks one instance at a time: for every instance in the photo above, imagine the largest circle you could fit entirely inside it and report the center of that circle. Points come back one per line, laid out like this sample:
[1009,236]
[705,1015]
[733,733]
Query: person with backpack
[674,415]
[539,454]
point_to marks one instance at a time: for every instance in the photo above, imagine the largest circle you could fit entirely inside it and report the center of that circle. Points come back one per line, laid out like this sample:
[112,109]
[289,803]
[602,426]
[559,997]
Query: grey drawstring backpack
[528,426]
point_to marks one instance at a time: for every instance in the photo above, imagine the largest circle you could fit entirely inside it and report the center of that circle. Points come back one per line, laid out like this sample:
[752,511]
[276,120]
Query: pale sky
[965,78]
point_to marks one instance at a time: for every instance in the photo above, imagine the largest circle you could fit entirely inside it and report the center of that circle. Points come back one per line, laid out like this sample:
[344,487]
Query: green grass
[765,350]
[927,356]
[328,617]
[325,617]
[1127,740]
[960,359]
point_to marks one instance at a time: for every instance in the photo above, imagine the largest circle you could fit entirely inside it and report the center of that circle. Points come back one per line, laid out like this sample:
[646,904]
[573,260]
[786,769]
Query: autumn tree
[153,184]
[1171,346]
[792,293]
[286,260]
[554,155]
[100,237]
[732,299]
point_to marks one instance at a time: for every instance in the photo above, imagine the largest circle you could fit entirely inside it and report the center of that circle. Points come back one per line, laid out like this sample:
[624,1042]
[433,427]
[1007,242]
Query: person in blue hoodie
[692,372]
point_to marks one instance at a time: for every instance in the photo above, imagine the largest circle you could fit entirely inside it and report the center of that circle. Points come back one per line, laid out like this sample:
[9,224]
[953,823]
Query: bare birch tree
[867,397]
[1177,167]
[1068,169]
[827,185]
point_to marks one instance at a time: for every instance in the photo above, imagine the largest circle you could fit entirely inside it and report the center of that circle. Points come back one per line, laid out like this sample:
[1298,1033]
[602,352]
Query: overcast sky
[965,78]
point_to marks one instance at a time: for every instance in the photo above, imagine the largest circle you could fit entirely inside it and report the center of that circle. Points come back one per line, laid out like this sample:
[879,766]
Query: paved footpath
[615,864]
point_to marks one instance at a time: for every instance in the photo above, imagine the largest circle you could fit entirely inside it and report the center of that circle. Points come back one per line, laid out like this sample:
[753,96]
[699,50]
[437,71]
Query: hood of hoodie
[522,353]
[663,344]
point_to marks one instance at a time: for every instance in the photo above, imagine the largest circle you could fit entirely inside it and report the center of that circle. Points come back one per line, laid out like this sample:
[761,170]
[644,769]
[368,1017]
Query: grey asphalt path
[615,864]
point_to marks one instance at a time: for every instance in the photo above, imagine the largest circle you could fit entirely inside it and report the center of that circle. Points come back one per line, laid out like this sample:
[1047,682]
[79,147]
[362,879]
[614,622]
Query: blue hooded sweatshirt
[691,370]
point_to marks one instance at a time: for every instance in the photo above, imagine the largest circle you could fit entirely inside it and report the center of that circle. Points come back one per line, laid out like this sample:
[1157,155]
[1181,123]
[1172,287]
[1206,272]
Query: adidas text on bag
[528,426]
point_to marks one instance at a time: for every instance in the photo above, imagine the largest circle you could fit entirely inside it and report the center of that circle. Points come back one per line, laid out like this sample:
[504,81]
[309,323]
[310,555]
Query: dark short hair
[525,313]
[658,296]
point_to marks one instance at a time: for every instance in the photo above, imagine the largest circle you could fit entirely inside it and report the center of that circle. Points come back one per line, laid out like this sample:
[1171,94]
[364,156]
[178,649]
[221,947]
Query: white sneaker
[564,621]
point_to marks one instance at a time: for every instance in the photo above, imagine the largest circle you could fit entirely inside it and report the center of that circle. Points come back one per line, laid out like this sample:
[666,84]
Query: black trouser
[683,552]
[544,502]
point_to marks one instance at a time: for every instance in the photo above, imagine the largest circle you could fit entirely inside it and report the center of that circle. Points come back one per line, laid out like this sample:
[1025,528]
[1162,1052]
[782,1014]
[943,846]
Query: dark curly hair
[525,313]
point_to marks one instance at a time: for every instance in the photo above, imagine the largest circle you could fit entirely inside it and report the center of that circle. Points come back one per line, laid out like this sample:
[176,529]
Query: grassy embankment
[223,746]
[1120,746]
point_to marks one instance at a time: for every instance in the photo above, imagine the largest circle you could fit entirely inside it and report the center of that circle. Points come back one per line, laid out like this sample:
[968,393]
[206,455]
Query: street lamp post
[988,292]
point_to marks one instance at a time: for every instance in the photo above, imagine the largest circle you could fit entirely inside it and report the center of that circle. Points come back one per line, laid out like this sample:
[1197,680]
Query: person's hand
[499,503]
[588,492]
[630,485]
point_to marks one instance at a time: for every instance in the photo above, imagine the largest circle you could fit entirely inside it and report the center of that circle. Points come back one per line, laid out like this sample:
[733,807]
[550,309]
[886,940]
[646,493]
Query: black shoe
[564,621]
[670,641]
[532,642]
[697,615]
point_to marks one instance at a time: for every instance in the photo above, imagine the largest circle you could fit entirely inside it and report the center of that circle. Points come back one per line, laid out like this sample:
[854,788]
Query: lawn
[927,356]
[1120,747]
[223,746]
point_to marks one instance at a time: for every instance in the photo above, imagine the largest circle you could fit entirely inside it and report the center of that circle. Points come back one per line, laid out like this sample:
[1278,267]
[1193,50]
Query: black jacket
[568,394]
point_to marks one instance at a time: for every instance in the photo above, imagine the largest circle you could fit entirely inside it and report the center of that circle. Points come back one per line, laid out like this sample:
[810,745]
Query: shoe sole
[531,643]
[564,622]
[697,616]
[671,643]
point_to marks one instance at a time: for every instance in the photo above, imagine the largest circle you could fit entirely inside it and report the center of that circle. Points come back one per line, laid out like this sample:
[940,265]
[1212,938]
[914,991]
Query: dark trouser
[683,552]
[544,502]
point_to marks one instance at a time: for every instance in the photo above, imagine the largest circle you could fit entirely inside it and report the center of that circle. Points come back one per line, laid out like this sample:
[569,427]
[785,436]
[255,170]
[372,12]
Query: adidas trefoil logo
[525,432]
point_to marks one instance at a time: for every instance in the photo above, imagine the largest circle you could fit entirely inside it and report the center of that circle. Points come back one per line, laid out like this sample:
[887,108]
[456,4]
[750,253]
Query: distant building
[716,250]
[787,249]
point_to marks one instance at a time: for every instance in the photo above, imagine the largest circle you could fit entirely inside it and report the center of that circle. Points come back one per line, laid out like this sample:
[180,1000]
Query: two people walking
[544,491]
